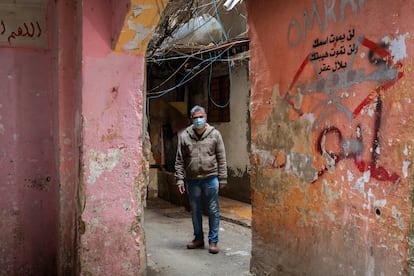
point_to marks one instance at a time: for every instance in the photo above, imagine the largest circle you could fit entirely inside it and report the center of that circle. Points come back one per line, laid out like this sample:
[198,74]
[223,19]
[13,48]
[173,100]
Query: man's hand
[222,185]
[181,188]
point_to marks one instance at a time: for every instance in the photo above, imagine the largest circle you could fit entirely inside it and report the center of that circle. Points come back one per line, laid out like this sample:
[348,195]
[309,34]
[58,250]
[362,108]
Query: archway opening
[199,58]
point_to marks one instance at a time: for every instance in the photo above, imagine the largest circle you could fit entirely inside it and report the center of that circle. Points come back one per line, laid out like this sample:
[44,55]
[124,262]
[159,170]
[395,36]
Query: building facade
[330,146]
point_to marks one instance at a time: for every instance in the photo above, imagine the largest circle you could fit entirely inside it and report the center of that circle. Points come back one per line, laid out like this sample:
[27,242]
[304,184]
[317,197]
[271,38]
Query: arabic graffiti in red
[21,33]
[341,78]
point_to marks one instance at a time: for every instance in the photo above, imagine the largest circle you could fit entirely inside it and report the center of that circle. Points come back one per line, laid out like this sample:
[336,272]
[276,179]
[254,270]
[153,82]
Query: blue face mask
[199,123]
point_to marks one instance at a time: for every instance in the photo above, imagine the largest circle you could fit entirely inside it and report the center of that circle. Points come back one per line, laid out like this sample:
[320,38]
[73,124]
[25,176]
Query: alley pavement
[168,229]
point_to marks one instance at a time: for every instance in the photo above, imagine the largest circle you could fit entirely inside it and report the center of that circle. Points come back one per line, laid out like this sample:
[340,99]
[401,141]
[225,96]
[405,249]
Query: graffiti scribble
[332,87]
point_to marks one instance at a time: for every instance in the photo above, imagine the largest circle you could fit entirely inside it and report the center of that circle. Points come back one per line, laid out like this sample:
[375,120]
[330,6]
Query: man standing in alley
[201,169]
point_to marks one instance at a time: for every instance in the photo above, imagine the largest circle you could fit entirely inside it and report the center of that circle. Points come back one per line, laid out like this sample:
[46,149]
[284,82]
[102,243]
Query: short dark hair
[197,108]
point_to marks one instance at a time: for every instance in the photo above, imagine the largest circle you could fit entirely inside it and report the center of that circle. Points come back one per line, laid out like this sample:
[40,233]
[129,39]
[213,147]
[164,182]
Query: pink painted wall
[67,26]
[62,212]
[29,185]
[332,132]
[39,114]
[112,238]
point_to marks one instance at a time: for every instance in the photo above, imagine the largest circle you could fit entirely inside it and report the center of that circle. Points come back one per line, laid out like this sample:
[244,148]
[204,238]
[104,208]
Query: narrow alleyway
[168,228]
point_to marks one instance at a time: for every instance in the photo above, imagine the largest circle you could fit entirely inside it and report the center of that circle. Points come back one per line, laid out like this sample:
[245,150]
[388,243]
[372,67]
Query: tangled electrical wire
[215,54]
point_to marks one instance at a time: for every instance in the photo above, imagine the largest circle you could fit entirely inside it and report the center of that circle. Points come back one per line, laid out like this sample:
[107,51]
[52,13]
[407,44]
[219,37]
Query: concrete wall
[112,239]
[67,17]
[73,204]
[331,137]
[29,183]
[236,135]
[28,163]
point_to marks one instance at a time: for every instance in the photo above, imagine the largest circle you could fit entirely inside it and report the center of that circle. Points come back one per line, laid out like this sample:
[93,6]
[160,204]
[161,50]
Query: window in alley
[218,103]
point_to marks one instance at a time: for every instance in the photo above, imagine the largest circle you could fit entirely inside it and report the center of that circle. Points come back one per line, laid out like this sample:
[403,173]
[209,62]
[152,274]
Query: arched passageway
[201,58]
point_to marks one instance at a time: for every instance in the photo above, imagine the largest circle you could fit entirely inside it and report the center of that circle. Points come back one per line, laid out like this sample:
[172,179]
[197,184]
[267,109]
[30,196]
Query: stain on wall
[29,186]
[100,162]
[236,135]
[240,188]
[139,25]
[331,128]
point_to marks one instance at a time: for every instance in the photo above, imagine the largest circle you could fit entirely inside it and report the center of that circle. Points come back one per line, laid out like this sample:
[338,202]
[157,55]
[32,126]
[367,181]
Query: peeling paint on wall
[1,127]
[349,79]
[360,182]
[141,33]
[138,9]
[298,29]
[100,162]
[138,26]
[397,47]
[338,86]
[405,166]
[398,217]
[301,165]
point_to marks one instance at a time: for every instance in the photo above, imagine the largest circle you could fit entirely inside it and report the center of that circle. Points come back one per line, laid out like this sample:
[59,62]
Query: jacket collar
[191,131]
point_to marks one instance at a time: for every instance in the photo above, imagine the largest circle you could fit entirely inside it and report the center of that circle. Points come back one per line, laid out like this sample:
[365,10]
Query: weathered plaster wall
[67,83]
[331,136]
[138,25]
[28,176]
[28,169]
[112,239]
[45,78]
[236,135]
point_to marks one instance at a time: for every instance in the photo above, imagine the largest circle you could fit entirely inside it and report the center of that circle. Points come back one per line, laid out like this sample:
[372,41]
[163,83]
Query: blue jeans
[208,189]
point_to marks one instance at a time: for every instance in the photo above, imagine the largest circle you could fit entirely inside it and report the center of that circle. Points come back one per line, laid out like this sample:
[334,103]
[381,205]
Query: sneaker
[213,248]
[195,244]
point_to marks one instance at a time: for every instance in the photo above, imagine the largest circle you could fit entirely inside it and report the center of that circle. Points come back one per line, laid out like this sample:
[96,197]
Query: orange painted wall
[331,136]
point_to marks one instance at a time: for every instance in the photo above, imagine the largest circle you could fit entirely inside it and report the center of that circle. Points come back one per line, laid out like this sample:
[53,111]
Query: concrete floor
[168,228]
